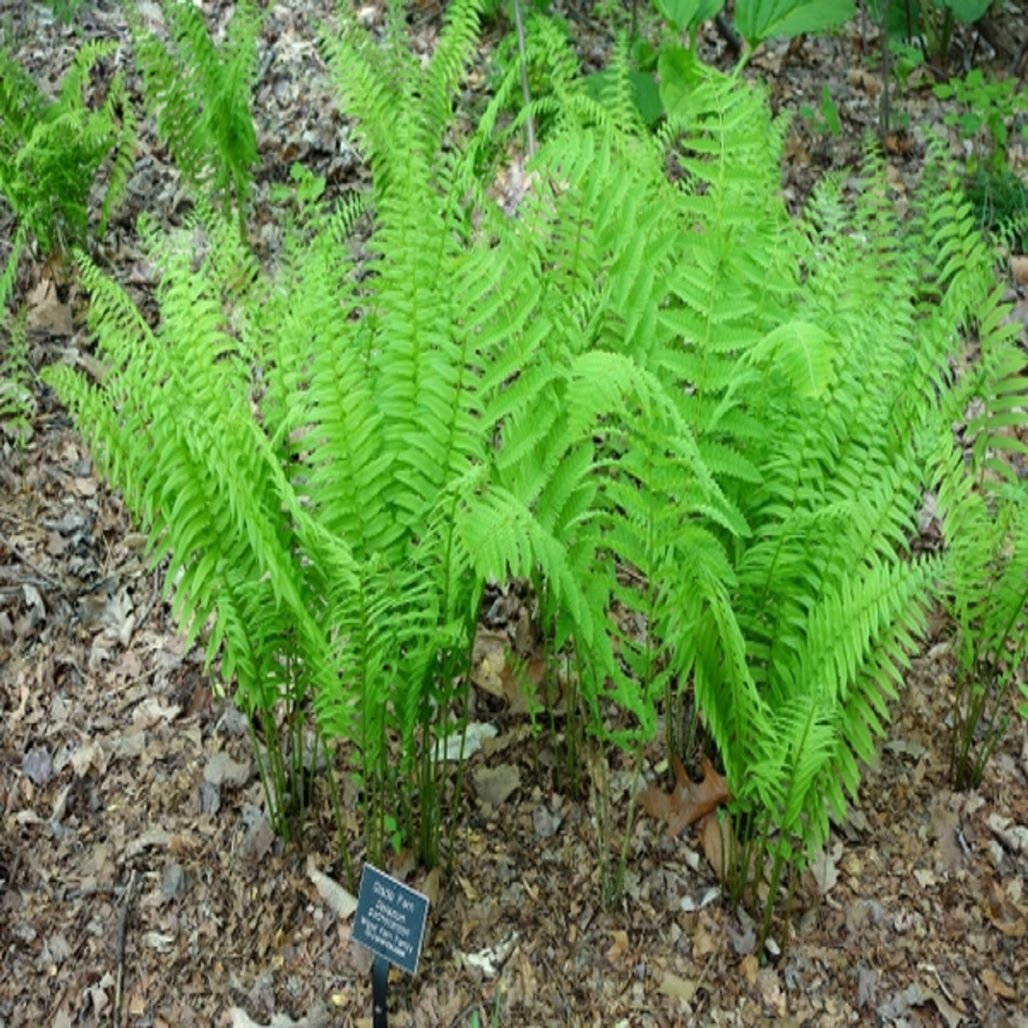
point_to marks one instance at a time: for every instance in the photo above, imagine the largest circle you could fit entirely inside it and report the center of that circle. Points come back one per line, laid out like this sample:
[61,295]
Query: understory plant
[51,151]
[983,504]
[988,112]
[199,93]
[695,423]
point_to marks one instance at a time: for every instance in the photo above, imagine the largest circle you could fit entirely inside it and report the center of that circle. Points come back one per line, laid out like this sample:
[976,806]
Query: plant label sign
[390,918]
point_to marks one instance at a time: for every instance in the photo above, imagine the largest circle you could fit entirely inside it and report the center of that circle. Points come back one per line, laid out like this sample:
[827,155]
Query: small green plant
[989,112]
[51,151]
[825,118]
[65,10]
[200,96]
[927,24]
[674,66]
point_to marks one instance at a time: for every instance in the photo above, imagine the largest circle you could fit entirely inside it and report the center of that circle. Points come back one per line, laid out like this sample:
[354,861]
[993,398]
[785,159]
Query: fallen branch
[119,980]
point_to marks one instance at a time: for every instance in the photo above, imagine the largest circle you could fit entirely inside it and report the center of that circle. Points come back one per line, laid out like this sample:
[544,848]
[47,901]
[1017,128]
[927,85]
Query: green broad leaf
[643,90]
[646,96]
[967,11]
[687,14]
[803,352]
[757,20]
[679,71]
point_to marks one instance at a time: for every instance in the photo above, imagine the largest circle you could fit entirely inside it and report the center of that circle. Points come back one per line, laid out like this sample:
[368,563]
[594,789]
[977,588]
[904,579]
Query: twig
[122,930]
[526,95]
[27,561]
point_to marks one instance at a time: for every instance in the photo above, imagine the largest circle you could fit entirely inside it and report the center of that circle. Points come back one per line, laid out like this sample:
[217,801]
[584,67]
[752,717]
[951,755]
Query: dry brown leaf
[997,986]
[618,947]
[47,312]
[689,800]
[1019,267]
[676,987]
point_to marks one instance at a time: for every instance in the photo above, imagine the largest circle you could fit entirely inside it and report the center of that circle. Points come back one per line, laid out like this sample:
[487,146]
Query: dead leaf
[46,312]
[490,960]
[950,1013]
[1019,268]
[677,987]
[862,79]
[37,765]
[468,742]
[341,902]
[430,886]
[689,800]
[996,985]
[494,671]
[618,947]
[495,784]
[750,967]
[823,868]
[221,769]
[945,828]
[489,657]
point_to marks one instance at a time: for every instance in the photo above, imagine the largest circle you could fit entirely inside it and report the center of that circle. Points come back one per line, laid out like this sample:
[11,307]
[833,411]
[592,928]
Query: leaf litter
[120,766]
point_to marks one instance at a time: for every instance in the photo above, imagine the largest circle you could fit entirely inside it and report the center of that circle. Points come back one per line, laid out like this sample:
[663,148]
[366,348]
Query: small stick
[526,94]
[122,931]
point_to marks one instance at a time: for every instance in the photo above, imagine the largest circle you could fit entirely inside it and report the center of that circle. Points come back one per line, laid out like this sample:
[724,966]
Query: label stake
[390,921]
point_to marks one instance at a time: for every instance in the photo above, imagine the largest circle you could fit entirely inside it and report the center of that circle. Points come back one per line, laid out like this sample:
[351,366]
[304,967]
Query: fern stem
[526,95]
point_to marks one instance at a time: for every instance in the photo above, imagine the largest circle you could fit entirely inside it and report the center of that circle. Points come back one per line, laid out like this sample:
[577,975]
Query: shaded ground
[140,885]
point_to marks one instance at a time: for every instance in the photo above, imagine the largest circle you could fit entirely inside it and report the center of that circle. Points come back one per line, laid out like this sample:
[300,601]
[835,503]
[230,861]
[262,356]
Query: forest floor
[140,883]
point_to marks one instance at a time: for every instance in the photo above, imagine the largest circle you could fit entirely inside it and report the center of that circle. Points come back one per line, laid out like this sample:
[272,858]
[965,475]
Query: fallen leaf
[468,742]
[1019,267]
[221,769]
[46,312]
[618,946]
[430,886]
[490,960]
[945,828]
[677,987]
[160,941]
[823,868]
[996,985]
[37,765]
[950,1013]
[340,901]
[495,784]
[750,967]
[689,800]
[489,657]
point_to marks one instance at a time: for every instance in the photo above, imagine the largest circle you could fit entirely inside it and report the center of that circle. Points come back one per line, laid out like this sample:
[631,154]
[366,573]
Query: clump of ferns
[983,507]
[52,150]
[199,94]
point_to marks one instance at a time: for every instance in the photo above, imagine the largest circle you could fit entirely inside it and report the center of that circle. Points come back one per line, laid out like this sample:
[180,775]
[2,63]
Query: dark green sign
[390,918]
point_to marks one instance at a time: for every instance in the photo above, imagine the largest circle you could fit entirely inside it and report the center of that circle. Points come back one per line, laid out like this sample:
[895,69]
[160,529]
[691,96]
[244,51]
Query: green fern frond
[199,94]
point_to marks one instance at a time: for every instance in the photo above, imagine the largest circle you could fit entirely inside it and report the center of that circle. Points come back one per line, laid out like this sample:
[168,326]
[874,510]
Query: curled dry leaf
[689,800]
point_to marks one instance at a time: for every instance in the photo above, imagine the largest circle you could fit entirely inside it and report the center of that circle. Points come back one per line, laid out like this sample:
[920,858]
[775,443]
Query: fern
[199,94]
[702,429]
[51,151]
[984,509]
